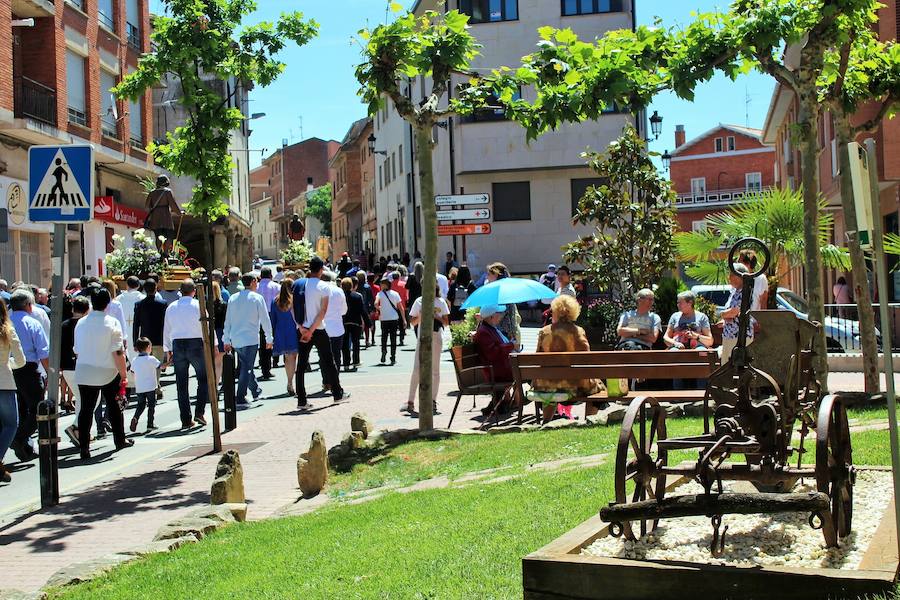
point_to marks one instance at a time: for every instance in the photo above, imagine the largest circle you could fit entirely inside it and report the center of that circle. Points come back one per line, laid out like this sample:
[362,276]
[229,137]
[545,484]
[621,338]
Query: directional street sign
[60,183]
[458,199]
[466,214]
[471,229]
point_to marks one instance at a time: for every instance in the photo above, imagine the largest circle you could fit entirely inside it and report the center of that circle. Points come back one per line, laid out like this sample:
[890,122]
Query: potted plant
[599,318]
[297,254]
[139,259]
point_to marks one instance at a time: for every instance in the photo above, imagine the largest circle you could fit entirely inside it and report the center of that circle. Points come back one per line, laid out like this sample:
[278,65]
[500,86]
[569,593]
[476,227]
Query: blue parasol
[510,290]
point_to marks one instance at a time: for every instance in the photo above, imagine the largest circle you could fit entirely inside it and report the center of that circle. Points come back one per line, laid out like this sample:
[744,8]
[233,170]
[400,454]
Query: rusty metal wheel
[834,468]
[638,461]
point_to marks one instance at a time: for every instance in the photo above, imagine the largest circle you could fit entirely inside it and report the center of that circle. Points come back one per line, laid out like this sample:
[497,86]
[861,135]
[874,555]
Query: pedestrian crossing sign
[60,184]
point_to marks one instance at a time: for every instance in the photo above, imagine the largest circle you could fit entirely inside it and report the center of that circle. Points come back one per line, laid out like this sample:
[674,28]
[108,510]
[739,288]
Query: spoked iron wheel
[834,468]
[638,461]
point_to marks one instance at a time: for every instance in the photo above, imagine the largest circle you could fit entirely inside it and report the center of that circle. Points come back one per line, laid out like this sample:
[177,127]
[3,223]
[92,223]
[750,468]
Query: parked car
[841,335]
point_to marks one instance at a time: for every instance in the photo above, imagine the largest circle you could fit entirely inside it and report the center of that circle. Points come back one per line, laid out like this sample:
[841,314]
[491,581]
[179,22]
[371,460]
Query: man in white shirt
[444,284]
[127,300]
[279,274]
[183,341]
[268,289]
[334,321]
[313,296]
[760,282]
[247,315]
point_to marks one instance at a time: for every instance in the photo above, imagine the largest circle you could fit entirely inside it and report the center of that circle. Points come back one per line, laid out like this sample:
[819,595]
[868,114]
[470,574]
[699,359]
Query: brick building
[55,78]
[776,131]
[716,169]
[264,232]
[352,184]
[289,171]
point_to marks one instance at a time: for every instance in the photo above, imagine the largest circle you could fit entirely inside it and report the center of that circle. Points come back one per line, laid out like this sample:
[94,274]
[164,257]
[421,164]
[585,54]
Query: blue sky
[317,92]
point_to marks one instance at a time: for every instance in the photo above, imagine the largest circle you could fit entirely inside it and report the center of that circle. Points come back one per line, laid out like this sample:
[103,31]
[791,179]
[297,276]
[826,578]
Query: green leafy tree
[198,43]
[776,217]
[318,206]
[794,42]
[434,45]
[633,219]
[861,70]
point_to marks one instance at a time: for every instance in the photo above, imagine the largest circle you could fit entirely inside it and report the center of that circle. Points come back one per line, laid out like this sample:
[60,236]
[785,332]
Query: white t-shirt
[444,284]
[337,308]
[760,287]
[316,292]
[440,308]
[387,311]
[97,336]
[144,367]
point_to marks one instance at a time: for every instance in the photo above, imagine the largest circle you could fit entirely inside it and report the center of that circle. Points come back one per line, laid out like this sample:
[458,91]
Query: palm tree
[776,217]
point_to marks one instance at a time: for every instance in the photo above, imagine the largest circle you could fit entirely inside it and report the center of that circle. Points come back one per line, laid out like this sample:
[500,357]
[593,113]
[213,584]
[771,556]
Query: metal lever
[717,546]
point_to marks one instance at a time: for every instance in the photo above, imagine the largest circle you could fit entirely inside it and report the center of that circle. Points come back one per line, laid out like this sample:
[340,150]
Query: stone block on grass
[312,466]
[196,526]
[87,570]
[361,423]
[228,486]
[160,546]
[20,595]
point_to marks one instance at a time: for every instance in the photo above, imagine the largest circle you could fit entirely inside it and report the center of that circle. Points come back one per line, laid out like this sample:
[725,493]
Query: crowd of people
[114,346]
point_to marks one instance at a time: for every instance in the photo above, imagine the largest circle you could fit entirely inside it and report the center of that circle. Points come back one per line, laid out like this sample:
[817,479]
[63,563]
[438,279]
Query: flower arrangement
[298,252]
[138,259]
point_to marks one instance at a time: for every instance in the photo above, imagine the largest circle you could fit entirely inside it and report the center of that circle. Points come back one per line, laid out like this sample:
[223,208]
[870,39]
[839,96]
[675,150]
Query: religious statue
[296,230]
[162,208]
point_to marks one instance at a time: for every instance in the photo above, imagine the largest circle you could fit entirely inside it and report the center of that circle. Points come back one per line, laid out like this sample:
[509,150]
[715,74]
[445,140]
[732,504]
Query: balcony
[714,197]
[106,20]
[33,8]
[133,33]
[279,211]
[34,100]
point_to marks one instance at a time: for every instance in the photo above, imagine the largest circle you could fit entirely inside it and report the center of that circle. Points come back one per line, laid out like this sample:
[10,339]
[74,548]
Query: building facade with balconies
[716,169]
[55,78]
[533,187]
[349,184]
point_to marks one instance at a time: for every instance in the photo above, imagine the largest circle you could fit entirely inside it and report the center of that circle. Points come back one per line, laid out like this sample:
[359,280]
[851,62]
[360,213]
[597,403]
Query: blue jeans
[189,352]
[9,420]
[246,378]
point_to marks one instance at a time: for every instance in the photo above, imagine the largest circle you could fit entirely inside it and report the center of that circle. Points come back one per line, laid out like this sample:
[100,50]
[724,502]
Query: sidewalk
[123,513]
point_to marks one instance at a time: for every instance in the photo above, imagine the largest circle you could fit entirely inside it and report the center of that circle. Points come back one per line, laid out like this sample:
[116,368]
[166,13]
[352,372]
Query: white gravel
[783,539]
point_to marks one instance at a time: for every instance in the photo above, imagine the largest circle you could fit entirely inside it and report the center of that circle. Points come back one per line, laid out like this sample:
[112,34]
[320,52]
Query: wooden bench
[618,364]
[470,377]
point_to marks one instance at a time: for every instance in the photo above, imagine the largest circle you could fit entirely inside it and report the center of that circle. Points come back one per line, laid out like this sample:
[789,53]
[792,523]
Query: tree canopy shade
[197,42]
[802,44]
[434,45]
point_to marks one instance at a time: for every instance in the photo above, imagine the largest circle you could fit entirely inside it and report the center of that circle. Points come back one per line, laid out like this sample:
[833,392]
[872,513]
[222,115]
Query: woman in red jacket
[494,349]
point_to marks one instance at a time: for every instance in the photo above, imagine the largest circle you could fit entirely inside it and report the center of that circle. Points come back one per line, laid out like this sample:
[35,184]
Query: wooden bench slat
[643,371]
[616,357]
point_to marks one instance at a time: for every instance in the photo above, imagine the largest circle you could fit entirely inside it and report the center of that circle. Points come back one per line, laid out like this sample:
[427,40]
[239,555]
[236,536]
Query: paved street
[121,499]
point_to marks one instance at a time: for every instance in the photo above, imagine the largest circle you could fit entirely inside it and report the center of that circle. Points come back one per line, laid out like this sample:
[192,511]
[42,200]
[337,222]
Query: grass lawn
[457,542]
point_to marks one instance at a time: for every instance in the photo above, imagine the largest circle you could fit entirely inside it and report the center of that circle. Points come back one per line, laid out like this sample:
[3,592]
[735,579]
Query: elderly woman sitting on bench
[493,350]
[563,335]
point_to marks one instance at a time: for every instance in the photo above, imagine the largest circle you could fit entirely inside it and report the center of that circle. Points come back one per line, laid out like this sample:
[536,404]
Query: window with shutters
[512,201]
[490,11]
[107,104]
[590,7]
[75,88]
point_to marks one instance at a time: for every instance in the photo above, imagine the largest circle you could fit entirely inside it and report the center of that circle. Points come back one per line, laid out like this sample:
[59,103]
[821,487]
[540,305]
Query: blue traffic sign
[60,184]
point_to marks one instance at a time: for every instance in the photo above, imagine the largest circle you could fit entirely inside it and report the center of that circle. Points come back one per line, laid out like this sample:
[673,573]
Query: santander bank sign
[107,209]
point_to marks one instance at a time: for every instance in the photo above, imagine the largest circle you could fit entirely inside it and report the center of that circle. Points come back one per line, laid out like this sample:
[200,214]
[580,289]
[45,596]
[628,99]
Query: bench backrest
[643,364]
[467,363]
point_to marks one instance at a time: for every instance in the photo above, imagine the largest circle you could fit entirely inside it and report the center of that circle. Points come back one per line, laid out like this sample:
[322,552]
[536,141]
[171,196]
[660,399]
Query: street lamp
[666,160]
[656,124]
[257,116]
[371,140]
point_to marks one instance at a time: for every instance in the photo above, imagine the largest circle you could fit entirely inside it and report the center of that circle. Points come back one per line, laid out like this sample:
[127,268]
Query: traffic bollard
[48,453]
[228,371]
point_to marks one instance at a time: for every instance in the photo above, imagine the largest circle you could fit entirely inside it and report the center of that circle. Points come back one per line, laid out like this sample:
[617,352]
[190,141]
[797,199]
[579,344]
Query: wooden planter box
[558,571]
